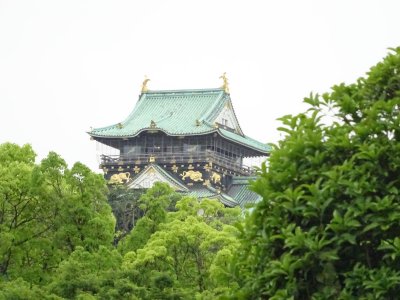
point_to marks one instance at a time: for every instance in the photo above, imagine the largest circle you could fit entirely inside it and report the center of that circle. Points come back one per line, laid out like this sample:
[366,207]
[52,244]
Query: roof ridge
[182,91]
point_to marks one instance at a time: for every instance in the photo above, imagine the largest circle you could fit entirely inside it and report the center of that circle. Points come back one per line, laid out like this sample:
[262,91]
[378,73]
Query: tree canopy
[58,238]
[328,224]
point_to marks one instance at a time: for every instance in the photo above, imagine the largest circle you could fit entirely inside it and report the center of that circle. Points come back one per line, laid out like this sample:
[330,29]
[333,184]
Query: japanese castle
[190,139]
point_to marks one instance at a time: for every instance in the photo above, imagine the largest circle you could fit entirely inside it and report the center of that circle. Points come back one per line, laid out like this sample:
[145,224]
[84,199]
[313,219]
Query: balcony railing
[178,157]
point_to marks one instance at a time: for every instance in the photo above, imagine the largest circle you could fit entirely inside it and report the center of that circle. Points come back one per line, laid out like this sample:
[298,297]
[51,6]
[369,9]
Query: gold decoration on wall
[144,84]
[138,162]
[207,167]
[174,168]
[190,167]
[119,178]
[206,182]
[152,159]
[120,169]
[136,169]
[216,178]
[193,175]
[225,84]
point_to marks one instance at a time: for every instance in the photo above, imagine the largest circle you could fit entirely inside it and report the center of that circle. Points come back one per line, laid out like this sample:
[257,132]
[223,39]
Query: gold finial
[153,124]
[225,85]
[144,84]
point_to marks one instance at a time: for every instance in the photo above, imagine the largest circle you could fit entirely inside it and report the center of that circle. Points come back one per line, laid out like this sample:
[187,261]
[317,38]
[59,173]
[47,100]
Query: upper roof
[180,113]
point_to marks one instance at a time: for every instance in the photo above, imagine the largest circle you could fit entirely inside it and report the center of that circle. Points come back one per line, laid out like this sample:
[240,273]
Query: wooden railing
[178,157]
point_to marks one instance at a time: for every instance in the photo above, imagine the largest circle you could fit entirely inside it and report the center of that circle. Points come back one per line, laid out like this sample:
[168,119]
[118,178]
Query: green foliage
[46,211]
[154,206]
[187,254]
[83,273]
[21,290]
[328,225]
[57,232]
[125,206]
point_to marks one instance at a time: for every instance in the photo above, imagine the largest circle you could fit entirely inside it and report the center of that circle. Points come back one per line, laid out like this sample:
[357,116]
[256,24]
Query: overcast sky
[66,66]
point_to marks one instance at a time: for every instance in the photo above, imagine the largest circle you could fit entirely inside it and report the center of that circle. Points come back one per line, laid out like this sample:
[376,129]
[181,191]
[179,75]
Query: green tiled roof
[177,113]
[239,190]
[244,140]
[174,112]
[243,179]
[201,192]
[211,193]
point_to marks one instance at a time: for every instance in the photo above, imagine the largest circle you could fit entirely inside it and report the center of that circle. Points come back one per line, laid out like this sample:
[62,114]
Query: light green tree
[189,253]
[84,273]
[46,211]
[19,289]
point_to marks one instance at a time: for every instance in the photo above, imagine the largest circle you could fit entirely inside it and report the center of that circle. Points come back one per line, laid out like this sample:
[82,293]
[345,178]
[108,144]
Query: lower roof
[238,193]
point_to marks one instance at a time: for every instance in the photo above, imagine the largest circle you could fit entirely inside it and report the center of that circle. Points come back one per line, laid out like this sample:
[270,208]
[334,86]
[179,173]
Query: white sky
[69,65]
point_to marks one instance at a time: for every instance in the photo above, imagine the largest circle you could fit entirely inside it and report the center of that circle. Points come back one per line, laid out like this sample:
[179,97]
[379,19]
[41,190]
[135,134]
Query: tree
[328,225]
[21,290]
[125,206]
[46,211]
[187,251]
[85,272]
[153,207]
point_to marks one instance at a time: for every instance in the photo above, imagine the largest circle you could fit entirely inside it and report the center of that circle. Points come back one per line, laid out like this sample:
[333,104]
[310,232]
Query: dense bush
[329,223]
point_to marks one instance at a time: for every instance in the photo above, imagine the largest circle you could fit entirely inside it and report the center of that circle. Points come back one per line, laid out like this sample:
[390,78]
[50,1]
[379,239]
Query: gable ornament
[225,83]
[144,84]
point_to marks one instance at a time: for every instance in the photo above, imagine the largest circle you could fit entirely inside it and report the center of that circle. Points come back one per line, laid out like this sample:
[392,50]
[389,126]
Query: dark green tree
[328,226]
[124,203]
[153,207]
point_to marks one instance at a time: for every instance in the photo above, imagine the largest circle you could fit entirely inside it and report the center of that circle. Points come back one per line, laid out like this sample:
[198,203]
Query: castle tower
[190,139]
